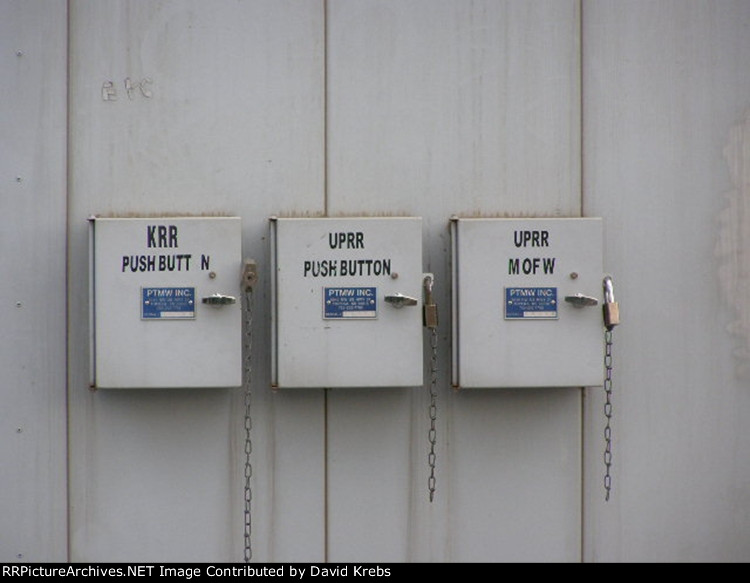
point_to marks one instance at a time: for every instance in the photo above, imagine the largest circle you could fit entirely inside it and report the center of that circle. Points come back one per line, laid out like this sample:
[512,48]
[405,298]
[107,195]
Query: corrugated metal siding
[636,112]
[33,97]
[665,86]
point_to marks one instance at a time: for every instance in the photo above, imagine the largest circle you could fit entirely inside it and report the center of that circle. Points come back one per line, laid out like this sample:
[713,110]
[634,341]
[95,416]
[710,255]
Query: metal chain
[432,435]
[608,412]
[248,342]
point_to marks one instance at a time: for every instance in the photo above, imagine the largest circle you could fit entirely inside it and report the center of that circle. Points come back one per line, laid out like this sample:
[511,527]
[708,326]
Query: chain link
[248,494]
[432,435]
[608,413]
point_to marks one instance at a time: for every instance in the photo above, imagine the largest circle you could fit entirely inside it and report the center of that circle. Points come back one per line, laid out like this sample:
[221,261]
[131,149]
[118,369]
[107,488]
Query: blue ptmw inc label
[530,303]
[167,303]
[350,303]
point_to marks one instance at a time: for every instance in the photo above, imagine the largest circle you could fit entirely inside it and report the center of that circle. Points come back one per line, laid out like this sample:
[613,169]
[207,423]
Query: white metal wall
[33,96]
[429,108]
[490,126]
[666,97]
[234,125]
[302,108]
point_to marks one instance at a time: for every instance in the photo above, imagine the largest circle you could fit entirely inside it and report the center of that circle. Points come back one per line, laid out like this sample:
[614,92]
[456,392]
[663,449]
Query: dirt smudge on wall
[733,244]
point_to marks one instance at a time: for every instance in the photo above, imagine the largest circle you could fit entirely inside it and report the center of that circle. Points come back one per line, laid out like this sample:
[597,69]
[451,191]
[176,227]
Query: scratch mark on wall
[733,244]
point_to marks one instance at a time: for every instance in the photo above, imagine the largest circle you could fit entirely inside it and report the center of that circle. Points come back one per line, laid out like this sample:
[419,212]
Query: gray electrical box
[347,302]
[527,302]
[165,303]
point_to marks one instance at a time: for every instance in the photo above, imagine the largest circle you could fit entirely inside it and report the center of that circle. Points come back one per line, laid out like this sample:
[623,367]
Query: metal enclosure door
[513,326]
[140,265]
[322,335]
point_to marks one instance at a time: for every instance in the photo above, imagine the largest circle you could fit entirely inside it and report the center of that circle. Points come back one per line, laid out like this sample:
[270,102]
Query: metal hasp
[522,289]
[164,310]
[249,274]
[334,285]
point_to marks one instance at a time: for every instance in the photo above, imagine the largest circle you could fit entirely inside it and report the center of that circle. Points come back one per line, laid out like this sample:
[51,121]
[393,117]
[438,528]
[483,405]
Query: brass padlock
[429,311]
[611,307]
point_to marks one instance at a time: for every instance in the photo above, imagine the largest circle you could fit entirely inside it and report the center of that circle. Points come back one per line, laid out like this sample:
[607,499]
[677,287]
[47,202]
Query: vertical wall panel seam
[68,145]
[325,475]
[325,107]
[581,108]
[325,213]
[582,213]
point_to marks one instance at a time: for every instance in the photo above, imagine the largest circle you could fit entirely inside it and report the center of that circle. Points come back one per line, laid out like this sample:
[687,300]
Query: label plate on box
[530,303]
[167,303]
[350,303]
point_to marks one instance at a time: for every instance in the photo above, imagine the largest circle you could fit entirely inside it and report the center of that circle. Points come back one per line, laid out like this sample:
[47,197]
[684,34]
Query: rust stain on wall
[733,244]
